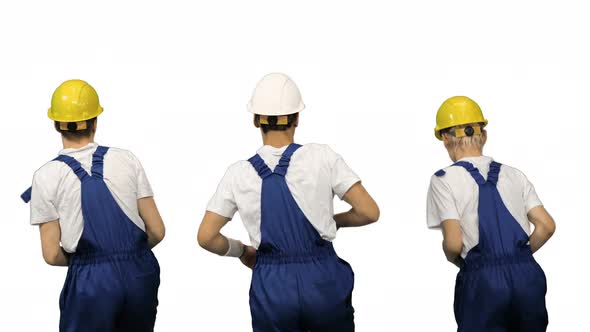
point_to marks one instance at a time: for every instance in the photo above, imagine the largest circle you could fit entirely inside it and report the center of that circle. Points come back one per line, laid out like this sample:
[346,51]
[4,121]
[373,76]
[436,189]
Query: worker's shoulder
[447,170]
[505,167]
[447,176]
[316,147]
[511,171]
[121,154]
[318,150]
[239,167]
[49,169]
[119,151]
[452,170]
[313,149]
[439,177]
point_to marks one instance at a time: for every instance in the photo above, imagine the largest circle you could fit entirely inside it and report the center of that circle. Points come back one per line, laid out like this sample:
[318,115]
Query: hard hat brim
[438,130]
[92,115]
[269,112]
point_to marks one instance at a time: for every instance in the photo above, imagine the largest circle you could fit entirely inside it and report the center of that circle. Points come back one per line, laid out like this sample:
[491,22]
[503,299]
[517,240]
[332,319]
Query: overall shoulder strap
[440,172]
[71,162]
[260,166]
[472,170]
[74,165]
[26,196]
[98,161]
[283,165]
[494,172]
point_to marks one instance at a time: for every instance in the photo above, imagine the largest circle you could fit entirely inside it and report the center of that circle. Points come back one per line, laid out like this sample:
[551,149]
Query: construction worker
[485,210]
[96,215]
[284,195]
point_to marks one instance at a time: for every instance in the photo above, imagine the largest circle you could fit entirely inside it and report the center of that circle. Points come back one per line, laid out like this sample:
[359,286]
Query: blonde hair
[477,141]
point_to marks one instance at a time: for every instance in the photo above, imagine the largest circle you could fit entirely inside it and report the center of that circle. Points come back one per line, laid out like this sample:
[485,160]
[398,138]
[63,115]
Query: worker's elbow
[452,248]
[373,215]
[49,260]
[449,258]
[50,257]
[203,239]
[156,235]
[550,229]
[160,234]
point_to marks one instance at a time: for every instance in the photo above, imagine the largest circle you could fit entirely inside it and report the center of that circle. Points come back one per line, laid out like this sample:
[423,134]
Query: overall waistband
[481,262]
[90,257]
[322,251]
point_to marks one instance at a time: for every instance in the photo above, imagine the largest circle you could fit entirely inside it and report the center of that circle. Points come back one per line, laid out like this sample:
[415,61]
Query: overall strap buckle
[97,168]
[283,164]
[494,172]
[475,174]
[74,165]
[260,166]
[98,161]
[281,169]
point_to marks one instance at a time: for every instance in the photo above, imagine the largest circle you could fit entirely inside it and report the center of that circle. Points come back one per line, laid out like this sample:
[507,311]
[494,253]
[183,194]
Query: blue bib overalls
[298,282]
[500,287]
[113,277]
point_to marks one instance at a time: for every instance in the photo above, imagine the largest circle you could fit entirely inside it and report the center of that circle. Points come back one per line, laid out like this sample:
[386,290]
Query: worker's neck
[277,138]
[466,152]
[76,144]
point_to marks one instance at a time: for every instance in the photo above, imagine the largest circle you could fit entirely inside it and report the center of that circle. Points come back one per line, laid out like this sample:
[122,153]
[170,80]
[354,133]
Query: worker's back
[56,190]
[316,174]
[457,197]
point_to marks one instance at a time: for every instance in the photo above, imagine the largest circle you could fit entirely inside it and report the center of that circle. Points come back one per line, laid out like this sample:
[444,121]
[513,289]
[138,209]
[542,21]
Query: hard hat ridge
[74,101]
[276,94]
[458,111]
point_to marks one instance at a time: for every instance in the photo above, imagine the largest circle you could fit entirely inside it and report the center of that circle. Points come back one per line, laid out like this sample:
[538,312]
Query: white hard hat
[276,94]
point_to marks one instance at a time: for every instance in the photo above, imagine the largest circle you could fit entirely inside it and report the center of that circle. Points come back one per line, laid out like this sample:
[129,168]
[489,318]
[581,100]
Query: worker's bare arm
[452,241]
[154,225]
[53,253]
[544,227]
[364,210]
[211,239]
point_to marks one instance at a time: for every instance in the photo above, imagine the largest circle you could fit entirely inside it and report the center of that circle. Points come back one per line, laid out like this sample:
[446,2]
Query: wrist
[236,248]
[243,251]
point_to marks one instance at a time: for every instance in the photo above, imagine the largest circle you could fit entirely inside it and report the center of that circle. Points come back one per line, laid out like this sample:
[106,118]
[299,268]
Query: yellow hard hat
[73,101]
[457,111]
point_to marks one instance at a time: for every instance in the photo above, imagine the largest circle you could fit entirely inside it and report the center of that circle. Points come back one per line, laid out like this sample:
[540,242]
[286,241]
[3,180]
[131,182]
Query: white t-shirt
[56,190]
[315,175]
[456,196]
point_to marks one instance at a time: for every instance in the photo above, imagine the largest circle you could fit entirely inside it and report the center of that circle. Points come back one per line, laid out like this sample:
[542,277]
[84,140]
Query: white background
[174,78]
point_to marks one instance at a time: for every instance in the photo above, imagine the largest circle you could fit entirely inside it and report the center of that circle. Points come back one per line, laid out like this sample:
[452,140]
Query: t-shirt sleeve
[144,189]
[223,201]
[43,197]
[440,205]
[342,176]
[531,199]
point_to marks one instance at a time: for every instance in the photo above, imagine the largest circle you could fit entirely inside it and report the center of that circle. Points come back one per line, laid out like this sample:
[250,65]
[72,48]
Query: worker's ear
[484,135]
[94,125]
[296,120]
[256,122]
[445,138]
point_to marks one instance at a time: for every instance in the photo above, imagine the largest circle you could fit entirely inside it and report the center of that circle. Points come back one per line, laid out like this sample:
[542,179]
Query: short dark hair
[72,133]
[272,122]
